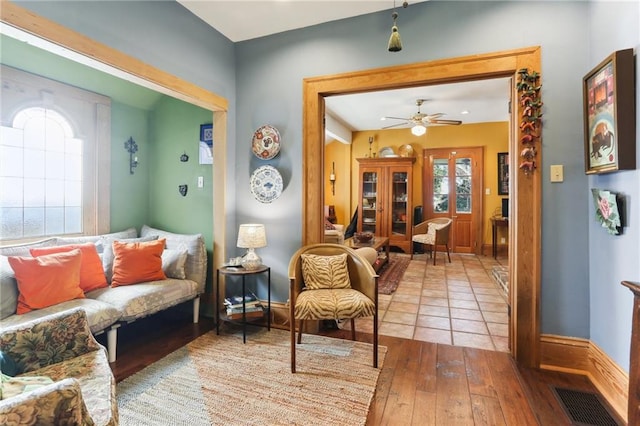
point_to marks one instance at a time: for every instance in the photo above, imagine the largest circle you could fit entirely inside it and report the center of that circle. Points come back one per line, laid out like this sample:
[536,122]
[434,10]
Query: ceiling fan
[420,120]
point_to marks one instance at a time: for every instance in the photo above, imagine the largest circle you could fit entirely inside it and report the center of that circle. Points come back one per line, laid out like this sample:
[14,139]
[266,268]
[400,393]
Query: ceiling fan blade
[452,122]
[395,125]
[397,118]
[436,115]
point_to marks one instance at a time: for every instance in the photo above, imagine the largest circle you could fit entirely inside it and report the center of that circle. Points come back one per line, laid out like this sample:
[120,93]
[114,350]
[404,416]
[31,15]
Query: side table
[497,222]
[243,273]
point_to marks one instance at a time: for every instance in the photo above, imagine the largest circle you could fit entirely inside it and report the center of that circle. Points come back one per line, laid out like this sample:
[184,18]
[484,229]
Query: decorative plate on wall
[266,184]
[386,152]
[266,142]
[405,151]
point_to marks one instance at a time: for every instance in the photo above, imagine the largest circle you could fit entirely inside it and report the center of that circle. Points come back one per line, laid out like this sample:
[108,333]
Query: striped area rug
[218,380]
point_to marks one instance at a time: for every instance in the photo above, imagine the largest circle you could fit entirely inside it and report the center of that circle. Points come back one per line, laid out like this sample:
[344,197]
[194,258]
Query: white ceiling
[239,20]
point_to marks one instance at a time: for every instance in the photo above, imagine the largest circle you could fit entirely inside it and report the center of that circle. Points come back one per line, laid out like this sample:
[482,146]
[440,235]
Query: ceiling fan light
[418,130]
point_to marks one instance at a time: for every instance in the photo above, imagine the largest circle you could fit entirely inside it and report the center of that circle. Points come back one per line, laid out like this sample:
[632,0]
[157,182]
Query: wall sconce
[332,178]
[132,147]
[370,143]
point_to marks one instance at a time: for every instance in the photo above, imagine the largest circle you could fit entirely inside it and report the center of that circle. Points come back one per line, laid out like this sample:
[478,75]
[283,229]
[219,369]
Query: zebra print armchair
[331,282]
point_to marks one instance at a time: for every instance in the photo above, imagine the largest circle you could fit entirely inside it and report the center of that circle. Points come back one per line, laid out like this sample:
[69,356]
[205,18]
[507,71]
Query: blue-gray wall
[262,79]
[614,258]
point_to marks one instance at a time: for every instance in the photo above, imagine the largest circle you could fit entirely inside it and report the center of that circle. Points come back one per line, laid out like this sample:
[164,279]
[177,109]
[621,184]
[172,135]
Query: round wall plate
[266,142]
[406,151]
[266,184]
[385,152]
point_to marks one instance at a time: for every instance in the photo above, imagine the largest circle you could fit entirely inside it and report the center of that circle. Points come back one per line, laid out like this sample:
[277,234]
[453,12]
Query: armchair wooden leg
[375,339]
[353,329]
[293,345]
[435,253]
[411,249]
[448,255]
[300,331]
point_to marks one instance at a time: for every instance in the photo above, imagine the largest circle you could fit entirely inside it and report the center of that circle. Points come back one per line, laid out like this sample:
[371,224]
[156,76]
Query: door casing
[525,190]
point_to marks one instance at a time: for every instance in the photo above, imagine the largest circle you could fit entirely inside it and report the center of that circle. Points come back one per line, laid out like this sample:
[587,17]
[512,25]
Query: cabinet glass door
[369,201]
[399,202]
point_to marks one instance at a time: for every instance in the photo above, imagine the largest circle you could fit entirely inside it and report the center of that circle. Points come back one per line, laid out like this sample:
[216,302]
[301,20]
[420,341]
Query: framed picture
[206,144]
[609,208]
[503,173]
[609,115]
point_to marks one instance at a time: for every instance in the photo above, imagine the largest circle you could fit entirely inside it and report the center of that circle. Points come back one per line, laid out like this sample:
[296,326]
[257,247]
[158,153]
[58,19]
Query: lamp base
[251,260]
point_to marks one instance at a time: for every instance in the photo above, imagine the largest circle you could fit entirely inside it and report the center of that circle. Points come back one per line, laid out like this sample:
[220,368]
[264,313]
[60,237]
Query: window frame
[96,175]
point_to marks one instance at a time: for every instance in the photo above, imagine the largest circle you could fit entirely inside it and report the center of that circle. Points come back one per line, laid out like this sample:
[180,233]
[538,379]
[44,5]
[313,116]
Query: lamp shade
[252,235]
[418,130]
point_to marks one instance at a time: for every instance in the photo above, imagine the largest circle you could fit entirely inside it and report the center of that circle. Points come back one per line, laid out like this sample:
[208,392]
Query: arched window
[51,176]
[41,172]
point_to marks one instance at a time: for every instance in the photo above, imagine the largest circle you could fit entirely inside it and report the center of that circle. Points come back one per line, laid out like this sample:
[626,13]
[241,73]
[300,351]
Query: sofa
[333,233]
[59,347]
[108,307]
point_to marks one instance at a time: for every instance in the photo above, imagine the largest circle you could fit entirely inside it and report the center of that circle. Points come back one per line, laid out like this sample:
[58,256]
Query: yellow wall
[340,154]
[494,137]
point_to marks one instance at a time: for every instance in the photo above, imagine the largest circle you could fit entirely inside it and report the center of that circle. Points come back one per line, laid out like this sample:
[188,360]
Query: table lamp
[251,236]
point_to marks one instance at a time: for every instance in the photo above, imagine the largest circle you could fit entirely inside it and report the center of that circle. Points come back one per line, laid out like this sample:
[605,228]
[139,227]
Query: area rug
[218,380]
[392,273]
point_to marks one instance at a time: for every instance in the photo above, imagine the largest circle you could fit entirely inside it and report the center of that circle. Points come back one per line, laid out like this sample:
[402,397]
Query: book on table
[250,300]
[253,312]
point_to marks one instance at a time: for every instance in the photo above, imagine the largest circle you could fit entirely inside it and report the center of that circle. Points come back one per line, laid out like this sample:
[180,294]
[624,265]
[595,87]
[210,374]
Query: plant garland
[529,88]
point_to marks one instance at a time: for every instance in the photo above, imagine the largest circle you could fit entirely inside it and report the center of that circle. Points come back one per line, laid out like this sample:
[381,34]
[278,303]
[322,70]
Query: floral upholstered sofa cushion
[60,347]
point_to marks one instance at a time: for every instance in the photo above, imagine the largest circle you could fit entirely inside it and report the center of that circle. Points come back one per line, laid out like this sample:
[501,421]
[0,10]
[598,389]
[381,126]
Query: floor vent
[584,408]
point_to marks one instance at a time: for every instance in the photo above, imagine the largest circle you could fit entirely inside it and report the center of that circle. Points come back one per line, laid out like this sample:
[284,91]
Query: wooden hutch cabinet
[385,203]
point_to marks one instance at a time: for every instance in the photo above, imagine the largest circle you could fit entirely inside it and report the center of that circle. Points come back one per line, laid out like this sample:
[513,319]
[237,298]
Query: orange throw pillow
[47,280]
[91,272]
[137,262]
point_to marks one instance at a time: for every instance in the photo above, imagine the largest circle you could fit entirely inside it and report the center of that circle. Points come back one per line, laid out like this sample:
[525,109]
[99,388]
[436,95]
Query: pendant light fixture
[395,44]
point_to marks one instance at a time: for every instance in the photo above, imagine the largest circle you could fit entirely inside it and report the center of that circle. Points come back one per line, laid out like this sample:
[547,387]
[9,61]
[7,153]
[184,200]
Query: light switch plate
[557,173]
[200,181]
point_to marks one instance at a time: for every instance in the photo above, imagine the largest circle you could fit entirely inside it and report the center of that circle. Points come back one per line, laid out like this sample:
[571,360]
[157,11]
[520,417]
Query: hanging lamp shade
[395,44]
[418,130]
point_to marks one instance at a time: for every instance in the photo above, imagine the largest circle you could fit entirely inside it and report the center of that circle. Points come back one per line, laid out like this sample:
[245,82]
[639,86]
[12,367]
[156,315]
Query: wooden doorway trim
[525,232]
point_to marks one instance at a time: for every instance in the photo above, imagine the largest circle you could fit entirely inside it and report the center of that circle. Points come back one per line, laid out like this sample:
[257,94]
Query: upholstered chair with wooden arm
[331,282]
[433,233]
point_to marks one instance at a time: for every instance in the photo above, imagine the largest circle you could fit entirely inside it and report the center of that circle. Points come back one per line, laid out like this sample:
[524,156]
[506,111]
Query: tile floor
[456,303]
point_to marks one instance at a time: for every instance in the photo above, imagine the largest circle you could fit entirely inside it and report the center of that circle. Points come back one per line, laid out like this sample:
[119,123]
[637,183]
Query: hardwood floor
[421,383]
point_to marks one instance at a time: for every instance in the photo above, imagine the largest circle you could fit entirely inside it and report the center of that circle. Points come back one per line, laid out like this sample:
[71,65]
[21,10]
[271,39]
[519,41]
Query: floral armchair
[60,347]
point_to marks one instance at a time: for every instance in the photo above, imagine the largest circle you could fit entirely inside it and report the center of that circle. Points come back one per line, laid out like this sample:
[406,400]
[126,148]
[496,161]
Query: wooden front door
[452,187]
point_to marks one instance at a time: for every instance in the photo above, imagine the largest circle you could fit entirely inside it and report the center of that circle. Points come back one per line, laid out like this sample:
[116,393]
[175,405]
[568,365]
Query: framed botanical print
[609,115]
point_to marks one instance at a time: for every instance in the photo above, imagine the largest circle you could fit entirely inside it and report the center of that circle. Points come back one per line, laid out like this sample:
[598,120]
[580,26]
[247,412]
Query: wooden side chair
[331,282]
[433,233]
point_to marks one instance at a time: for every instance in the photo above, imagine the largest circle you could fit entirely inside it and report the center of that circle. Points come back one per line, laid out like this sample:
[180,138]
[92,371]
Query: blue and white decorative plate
[266,184]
